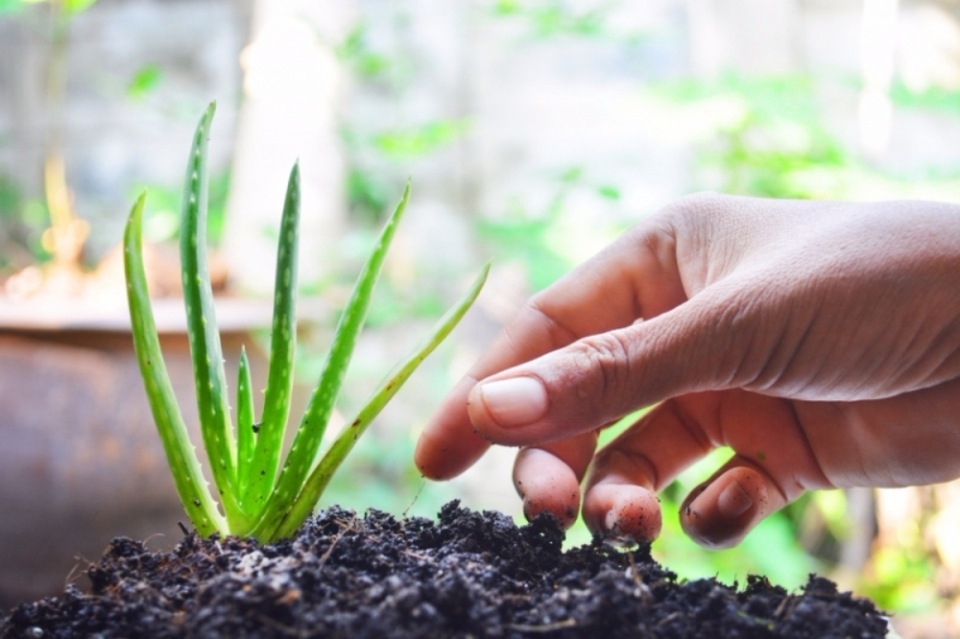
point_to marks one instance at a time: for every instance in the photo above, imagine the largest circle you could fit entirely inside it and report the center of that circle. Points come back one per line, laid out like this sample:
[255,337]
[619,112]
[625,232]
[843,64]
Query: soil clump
[467,575]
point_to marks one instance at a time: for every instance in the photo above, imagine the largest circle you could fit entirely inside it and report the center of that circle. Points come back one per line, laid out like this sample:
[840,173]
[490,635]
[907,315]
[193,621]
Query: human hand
[818,340]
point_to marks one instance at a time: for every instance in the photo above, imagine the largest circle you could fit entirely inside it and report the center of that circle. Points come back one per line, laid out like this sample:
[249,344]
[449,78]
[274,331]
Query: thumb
[699,345]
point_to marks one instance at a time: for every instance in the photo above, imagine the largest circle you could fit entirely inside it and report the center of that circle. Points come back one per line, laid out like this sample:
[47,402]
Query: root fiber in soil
[468,575]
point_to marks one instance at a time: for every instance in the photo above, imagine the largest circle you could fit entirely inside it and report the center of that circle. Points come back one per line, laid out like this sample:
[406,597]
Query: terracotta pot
[80,459]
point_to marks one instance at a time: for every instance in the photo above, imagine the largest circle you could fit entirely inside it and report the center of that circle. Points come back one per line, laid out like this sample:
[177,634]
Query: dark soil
[468,575]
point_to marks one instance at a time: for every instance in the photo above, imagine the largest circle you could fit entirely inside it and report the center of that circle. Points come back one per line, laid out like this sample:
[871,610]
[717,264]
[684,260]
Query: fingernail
[733,500]
[515,402]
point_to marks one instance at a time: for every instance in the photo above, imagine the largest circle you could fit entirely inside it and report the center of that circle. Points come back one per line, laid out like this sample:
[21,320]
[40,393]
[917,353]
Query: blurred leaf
[11,6]
[145,80]
[368,194]
[609,192]
[933,98]
[74,7]
[420,140]
[506,7]
[356,53]
[572,174]
[161,216]
[548,18]
[832,505]
[70,7]
[778,139]
[901,579]
[525,240]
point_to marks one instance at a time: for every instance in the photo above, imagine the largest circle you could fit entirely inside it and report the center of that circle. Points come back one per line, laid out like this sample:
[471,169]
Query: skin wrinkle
[607,352]
[734,317]
[853,425]
[686,220]
[951,359]
[638,462]
[946,368]
[709,220]
[569,335]
[553,326]
[790,359]
[878,365]
[906,369]
[698,434]
[792,407]
[661,245]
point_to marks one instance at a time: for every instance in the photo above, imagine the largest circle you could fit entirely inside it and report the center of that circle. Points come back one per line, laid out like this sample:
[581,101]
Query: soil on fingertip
[469,574]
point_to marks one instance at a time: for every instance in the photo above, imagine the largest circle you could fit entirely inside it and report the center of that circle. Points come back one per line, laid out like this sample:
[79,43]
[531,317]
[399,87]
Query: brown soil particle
[468,575]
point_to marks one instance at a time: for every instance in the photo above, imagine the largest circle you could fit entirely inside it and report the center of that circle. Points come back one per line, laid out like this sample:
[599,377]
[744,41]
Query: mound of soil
[468,575]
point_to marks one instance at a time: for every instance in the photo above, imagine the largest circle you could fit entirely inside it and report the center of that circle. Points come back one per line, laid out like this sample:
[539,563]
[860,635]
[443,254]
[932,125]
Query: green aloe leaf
[246,430]
[181,456]
[309,435]
[283,344]
[204,337]
[317,482]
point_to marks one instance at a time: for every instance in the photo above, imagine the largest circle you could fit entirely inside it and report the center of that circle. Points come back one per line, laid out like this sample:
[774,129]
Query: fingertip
[425,458]
[444,454]
[623,511]
[546,484]
[721,513]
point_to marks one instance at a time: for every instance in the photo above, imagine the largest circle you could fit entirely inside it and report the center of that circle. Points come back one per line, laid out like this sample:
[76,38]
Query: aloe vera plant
[259,497]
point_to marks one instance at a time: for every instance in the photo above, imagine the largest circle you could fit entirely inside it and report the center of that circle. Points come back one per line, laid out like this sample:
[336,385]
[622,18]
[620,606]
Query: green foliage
[259,497]
[22,222]
[372,157]
[70,8]
[161,216]
[144,81]
[902,579]
[525,239]
[555,17]
[357,54]
[420,140]
[366,193]
[774,139]
[934,98]
[537,239]
[374,154]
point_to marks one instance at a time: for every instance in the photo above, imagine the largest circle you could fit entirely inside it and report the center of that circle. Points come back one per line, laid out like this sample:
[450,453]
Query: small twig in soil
[423,482]
[633,569]
[418,555]
[73,575]
[668,618]
[645,595]
[150,538]
[550,627]
[347,527]
[785,608]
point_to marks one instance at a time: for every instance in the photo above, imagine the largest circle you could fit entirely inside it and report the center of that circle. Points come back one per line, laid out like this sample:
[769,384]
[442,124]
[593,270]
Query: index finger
[636,277]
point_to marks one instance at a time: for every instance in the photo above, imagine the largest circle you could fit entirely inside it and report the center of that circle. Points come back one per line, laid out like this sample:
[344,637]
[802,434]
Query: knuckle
[605,360]
[698,205]
[739,322]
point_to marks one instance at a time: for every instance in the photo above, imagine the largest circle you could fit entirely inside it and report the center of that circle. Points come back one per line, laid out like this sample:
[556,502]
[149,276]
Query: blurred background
[534,131]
